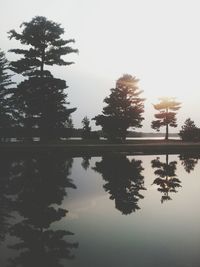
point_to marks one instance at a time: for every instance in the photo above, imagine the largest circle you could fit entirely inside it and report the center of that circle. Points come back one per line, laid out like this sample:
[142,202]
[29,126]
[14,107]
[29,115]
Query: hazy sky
[157,41]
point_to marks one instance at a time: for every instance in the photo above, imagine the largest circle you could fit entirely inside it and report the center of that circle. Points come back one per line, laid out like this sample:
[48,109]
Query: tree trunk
[42,61]
[167,159]
[167,132]
[167,125]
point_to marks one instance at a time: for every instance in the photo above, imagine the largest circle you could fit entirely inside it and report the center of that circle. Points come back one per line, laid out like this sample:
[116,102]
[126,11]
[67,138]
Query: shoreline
[84,147]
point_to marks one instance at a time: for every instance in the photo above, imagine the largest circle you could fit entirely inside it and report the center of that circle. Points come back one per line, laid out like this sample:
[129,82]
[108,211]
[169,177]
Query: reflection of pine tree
[40,248]
[124,181]
[189,161]
[38,186]
[166,179]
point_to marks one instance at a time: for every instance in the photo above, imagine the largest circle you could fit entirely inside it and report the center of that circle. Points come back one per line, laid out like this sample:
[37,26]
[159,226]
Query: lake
[115,210]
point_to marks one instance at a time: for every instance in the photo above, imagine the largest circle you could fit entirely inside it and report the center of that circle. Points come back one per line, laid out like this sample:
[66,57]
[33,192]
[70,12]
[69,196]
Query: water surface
[115,210]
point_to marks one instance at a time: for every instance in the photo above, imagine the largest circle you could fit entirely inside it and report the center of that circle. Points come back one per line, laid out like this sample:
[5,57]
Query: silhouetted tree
[189,131]
[69,123]
[86,124]
[124,109]
[6,111]
[166,179]
[167,115]
[86,128]
[41,99]
[45,47]
[41,102]
[38,187]
[123,181]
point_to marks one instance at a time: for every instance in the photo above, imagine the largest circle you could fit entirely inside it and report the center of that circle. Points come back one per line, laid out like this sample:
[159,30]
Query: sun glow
[135,37]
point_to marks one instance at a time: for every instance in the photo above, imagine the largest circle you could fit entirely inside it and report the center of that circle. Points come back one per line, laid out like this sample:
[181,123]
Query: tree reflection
[189,161]
[166,179]
[123,181]
[5,203]
[86,162]
[38,187]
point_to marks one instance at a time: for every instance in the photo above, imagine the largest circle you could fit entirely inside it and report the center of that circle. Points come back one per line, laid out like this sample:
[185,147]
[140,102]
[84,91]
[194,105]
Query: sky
[156,41]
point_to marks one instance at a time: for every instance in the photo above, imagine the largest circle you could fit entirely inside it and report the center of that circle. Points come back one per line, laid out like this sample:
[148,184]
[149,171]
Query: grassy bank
[100,147]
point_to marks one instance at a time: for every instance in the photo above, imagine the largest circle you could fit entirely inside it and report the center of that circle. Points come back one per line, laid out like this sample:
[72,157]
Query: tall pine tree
[41,99]
[124,109]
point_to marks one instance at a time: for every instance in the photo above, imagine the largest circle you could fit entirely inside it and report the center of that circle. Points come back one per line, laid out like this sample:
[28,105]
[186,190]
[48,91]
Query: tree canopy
[86,130]
[37,187]
[124,181]
[45,46]
[41,100]
[166,177]
[166,115]
[189,131]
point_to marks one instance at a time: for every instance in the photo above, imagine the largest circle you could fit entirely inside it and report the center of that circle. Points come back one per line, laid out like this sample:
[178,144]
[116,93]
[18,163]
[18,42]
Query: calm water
[115,210]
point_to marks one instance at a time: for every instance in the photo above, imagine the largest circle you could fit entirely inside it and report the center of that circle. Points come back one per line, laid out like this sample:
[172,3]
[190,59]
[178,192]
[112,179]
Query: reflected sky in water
[115,210]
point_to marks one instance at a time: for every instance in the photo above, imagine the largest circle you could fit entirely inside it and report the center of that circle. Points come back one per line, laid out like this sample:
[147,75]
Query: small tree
[86,128]
[167,115]
[189,131]
[69,123]
[124,109]
[86,124]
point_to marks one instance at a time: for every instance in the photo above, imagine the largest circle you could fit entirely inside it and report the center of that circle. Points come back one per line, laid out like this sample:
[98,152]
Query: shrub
[189,131]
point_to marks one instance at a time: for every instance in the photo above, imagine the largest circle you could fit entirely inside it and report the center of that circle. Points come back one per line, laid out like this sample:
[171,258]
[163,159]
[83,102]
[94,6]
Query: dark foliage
[124,181]
[41,100]
[6,111]
[167,115]
[86,132]
[5,202]
[189,161]
[45,46]
[86,162]
[86,128]
[189,131]
[37,188]
[124,109]
[166,177]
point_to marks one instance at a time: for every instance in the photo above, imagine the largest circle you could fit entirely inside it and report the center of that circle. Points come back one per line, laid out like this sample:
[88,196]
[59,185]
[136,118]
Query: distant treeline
[78,133]
[21,132]
[68,132]
[142,134]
